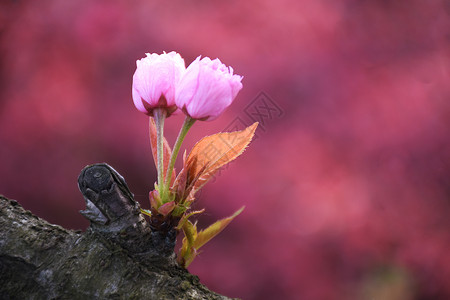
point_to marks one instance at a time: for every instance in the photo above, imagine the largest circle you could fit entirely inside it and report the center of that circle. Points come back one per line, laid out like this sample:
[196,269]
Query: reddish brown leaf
[215,151]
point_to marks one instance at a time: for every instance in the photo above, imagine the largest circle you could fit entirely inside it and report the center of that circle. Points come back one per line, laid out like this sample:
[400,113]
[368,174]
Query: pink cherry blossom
[154,81]
[207,88]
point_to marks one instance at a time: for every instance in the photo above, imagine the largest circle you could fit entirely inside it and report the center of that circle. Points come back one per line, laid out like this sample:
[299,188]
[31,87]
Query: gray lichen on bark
[118,257]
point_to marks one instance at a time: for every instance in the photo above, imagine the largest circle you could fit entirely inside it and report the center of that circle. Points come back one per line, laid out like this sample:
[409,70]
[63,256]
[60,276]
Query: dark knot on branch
[114,214]
[109,202]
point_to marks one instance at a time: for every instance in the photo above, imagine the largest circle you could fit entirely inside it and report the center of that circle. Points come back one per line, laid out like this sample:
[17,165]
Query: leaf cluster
[206,158]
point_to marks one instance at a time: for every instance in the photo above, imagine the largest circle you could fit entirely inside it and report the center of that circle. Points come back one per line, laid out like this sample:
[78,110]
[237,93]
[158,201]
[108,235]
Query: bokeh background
[347,186]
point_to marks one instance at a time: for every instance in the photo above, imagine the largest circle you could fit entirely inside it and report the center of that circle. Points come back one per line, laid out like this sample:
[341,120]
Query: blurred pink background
[347,187]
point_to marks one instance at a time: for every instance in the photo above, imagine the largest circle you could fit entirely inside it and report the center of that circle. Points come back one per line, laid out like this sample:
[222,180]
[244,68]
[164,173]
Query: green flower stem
[159,115]
[188,122]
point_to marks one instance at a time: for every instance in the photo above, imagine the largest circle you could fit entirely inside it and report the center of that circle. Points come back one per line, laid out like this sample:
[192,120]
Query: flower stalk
[187,124]
[159,114]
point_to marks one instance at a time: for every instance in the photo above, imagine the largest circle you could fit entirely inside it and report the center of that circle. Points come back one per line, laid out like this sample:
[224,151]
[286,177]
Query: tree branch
[118,257]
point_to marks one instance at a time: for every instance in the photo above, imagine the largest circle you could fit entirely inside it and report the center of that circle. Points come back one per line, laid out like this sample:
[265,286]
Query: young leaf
[189,258]
[155,201]
[193,240]
[215,151]
[179,185]
[186,216]
[167,208]
[186,254]
[190,231]
[187,251]
[146,212]
[167,150]
[206,235]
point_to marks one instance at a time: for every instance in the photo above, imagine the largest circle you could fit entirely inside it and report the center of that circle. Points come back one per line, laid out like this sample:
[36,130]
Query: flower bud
[154,81]
[206,89]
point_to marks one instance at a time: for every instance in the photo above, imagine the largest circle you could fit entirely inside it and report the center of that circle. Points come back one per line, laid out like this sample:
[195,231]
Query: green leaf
[185,217]
[187,251]
[146,212]
[206,235]
[190,232]
[193,240]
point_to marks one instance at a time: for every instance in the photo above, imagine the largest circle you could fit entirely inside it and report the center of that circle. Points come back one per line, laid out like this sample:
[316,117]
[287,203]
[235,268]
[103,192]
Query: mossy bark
[39,260]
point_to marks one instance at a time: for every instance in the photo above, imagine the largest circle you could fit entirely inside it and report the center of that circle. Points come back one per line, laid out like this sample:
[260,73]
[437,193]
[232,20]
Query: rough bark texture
[118,257]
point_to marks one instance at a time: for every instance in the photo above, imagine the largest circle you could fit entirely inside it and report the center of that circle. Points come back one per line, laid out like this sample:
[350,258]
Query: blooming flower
[206,89]
[154,81]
